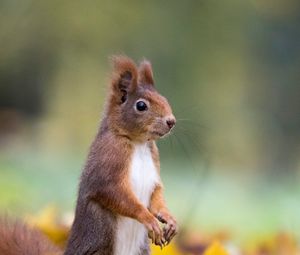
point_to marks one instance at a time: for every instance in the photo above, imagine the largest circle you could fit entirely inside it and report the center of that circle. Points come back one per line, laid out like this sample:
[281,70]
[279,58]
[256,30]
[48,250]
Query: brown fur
[105,190]
[18,239]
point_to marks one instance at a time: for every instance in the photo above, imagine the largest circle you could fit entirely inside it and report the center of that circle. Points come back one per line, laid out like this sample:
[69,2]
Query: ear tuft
[145,73]
[122,63]
[124,77]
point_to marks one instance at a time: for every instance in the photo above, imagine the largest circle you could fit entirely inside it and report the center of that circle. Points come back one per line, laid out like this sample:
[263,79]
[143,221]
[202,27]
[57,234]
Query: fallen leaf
[215,249]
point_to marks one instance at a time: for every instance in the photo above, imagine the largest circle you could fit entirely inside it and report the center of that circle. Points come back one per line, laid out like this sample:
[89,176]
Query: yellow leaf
[167,250]
[215,249]
[47,221]
[46,218]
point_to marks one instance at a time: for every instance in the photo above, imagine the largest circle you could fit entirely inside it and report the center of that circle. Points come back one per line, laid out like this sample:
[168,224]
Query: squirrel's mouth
[159,134]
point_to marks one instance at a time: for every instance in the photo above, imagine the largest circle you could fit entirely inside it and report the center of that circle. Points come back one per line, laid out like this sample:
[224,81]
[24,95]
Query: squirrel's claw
[156,234]
[170,228]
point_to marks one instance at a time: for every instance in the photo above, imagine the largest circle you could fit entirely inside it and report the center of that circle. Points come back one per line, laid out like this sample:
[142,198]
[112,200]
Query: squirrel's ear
[124,77]
[145,73]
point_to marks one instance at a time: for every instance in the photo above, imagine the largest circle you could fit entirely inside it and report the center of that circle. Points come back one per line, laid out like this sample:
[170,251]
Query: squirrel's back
[18,239]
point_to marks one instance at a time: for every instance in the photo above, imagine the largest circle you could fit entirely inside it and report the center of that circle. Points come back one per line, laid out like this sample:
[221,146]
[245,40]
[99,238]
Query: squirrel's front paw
[170,229]
[155,233]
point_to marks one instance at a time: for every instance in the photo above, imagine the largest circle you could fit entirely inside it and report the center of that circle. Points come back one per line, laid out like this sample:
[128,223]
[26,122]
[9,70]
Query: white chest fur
[131,234]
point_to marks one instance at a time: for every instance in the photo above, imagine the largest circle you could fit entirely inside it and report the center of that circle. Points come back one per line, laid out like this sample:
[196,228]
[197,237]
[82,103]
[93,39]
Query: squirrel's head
[135,108]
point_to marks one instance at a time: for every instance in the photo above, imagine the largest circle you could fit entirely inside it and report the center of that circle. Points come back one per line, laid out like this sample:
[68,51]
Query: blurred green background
[230,69]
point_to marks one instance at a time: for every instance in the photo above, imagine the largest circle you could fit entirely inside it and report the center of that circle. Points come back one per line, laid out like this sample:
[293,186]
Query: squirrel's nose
[171,122]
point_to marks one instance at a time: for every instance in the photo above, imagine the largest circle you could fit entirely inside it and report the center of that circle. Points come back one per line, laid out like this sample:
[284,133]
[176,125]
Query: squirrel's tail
[18,239]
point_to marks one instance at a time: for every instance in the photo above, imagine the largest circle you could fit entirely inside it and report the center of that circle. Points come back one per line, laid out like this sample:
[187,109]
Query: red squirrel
[120,200]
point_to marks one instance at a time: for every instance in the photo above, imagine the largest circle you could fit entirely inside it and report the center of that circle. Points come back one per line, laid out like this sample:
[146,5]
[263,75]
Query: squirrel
[120,201]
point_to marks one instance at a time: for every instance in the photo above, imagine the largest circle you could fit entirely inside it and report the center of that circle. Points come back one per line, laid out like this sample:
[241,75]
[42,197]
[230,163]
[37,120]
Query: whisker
[192,122]
[199,176]
[194,141]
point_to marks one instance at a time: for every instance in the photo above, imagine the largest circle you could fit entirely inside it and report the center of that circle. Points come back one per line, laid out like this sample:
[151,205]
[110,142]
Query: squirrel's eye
[141,106]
